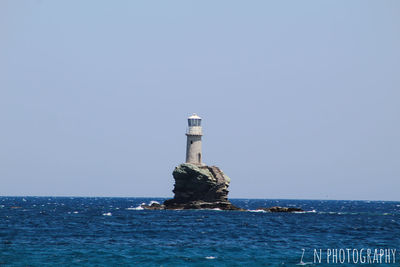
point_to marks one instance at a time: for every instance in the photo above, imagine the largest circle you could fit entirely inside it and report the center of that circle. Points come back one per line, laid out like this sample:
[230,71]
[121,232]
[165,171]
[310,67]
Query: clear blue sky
[299,99]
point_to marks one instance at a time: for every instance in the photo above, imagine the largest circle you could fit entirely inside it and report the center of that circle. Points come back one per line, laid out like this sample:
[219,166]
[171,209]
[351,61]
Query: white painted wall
[193,149]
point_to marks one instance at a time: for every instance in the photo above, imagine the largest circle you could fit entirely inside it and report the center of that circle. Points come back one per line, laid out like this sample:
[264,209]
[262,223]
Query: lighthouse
[193,146]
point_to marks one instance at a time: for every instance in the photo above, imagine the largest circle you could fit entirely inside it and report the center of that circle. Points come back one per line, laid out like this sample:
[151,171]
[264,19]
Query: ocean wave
[107,214]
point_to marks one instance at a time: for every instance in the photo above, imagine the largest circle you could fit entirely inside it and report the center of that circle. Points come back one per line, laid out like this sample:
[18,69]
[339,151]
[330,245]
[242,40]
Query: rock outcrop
[200,187]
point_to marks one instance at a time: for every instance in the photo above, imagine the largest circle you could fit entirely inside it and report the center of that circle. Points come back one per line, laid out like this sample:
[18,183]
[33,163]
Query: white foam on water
[216,209]
[307,211]
[257,211]
[75,212]
[153,202]
[210,257]
[107,214]
[304,263]
[137,208]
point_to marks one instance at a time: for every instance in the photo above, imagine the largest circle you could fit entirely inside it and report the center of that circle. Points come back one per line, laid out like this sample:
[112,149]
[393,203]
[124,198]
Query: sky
[299,99]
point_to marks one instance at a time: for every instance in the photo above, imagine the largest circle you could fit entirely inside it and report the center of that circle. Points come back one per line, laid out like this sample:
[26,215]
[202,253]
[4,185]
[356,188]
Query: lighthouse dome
[194,116]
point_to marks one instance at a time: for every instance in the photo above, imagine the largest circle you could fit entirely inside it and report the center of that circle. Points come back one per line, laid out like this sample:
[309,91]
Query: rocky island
[198,186]
[203,187]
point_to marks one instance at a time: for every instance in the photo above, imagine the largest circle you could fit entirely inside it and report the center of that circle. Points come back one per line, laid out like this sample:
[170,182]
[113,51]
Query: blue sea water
[74,231]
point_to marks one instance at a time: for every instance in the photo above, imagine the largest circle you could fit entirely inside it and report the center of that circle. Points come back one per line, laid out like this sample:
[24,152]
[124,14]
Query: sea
[94,231]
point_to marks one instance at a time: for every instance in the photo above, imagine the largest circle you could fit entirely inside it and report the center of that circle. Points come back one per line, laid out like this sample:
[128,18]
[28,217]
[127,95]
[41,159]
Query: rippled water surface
[50,231]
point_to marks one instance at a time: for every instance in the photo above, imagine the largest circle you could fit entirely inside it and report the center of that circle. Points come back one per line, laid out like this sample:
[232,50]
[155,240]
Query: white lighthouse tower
[193,146]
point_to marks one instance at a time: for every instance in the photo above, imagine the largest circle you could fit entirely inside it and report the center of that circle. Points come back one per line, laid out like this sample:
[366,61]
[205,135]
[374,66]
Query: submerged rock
[200,187]
[281,209]
[153,206]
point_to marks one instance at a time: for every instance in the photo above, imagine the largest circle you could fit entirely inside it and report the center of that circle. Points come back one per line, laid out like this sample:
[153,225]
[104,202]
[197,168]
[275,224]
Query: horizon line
[255,198]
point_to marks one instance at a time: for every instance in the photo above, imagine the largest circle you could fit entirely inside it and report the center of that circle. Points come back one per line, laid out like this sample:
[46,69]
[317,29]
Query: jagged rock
[281,209]
[200,187]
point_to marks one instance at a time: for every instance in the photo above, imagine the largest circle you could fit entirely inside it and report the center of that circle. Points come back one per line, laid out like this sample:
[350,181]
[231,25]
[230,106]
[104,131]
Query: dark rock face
[200,187]
[205,183]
